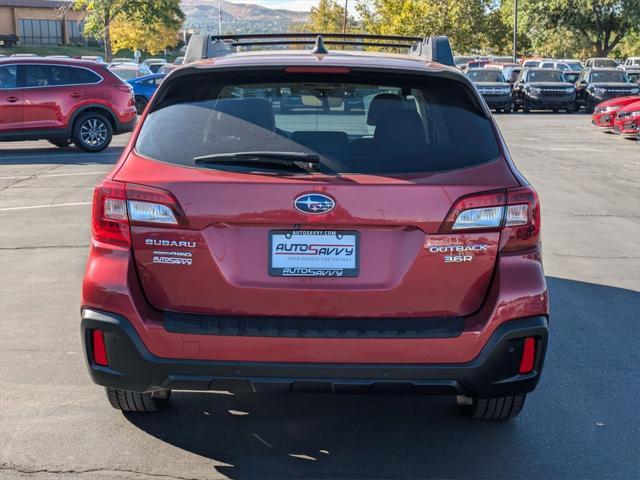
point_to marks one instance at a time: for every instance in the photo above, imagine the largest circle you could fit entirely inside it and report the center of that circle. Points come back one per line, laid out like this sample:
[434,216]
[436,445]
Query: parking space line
[71,157]
[30,207]
[34,176]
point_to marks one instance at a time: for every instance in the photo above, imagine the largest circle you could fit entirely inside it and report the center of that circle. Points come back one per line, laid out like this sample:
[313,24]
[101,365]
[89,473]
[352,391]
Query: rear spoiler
[204,45]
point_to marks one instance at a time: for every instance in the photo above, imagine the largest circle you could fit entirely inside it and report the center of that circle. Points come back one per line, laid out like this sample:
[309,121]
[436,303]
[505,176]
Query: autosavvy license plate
[313,253]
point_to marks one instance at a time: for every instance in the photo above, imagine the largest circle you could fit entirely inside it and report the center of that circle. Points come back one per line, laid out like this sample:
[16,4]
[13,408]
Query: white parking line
[71,157]
[35,175]
[8,209]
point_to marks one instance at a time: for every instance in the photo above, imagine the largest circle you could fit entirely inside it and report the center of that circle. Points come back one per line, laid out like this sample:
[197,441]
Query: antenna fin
[319,47]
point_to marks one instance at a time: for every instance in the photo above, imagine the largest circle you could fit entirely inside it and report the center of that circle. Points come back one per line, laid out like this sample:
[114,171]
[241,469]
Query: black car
[543,89]
[596,85]
[495,90]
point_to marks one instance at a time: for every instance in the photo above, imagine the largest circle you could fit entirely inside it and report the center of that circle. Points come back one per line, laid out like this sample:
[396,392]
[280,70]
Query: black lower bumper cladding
[493,373]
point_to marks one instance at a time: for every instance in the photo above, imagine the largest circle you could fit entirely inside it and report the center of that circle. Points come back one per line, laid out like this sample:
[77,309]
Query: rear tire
[589,105]
[496,408]
[138,402]
[141,104]
[92,132]
[60,143]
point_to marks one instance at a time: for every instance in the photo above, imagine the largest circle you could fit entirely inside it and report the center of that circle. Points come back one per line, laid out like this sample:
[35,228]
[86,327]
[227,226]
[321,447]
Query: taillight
[116,205]
[514,211]
[522,224]
[150,205]
[110,223]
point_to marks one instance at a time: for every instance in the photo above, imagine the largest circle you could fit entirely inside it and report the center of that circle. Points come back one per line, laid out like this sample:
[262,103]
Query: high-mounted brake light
[338,70]
[116,205]
[515,211]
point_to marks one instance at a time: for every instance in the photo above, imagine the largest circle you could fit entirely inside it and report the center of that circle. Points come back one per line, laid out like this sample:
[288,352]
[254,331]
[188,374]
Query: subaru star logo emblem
[314,203]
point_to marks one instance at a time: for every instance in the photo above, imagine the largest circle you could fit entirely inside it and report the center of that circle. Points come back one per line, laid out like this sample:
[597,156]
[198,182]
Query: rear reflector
[528,355]
[98,348]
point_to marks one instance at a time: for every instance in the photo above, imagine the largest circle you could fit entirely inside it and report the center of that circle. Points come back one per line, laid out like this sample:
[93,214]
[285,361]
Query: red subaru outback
[63,101]
[372,236]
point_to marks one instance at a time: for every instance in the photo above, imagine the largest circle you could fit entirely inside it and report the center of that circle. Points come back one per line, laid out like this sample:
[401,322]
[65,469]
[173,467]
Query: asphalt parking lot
[582,422]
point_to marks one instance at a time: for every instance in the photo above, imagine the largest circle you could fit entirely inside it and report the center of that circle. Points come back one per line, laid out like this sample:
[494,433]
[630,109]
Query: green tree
[471,25]
[598,25]
[149,18]
[327,16]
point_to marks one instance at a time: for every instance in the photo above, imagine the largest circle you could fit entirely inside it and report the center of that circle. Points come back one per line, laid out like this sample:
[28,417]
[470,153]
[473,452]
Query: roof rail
[204,45]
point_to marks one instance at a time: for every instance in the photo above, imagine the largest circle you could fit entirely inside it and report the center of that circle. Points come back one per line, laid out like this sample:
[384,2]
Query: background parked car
[495,90]
[154,64]
[601,63]
[127,71]
[531,63]
[118,60]
[605,112]
[510,71]
[149,61]
[93,58]
[63,101]
[598,84]
[543,89]
[144,88]
[575,65]
[627,120]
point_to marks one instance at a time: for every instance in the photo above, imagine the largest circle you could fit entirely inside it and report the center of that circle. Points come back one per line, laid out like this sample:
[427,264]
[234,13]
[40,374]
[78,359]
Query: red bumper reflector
[528,355]
[99,349]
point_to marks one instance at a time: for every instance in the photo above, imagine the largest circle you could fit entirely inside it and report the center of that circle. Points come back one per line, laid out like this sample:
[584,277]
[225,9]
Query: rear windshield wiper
[301,160]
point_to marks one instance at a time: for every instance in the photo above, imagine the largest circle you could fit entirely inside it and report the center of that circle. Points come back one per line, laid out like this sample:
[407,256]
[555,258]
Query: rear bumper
[125,126]
[494,372]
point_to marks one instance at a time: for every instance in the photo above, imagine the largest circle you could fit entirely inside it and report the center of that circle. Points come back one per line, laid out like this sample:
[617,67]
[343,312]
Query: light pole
[344,25]
[515,30]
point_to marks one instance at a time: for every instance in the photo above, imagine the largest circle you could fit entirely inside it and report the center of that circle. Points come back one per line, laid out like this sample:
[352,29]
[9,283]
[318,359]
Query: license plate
[313,253]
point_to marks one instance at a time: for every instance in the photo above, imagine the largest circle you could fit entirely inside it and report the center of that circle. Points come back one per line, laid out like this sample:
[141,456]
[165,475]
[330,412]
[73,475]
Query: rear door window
[357,123]
[8,77]
[84,75]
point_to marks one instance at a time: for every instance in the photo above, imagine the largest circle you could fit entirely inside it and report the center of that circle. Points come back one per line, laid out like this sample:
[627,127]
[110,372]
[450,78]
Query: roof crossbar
[435,49]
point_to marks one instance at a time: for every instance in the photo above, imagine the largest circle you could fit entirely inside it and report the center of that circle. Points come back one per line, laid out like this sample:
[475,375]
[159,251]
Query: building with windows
[41,22]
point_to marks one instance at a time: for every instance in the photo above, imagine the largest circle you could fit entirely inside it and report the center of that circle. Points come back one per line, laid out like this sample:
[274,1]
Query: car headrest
[312,137]
[381,104]
[253,110]
[400,127]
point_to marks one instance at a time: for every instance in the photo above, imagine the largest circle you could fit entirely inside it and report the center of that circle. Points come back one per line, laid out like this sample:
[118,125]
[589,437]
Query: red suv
[373,237]
[63,101]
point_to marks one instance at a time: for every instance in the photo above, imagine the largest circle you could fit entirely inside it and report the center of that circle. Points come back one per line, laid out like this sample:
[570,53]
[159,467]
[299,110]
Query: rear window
[356,123]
